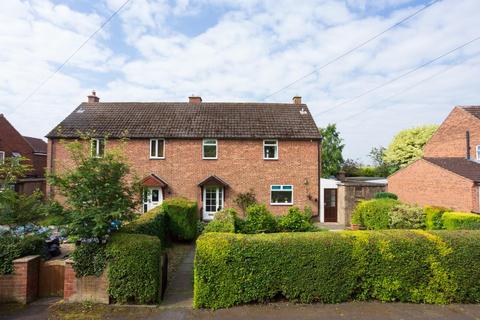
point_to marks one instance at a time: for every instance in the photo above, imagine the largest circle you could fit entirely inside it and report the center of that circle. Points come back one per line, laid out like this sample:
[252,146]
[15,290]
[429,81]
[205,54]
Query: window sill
[157,158]
[281,204]
[270,159]
[209,158]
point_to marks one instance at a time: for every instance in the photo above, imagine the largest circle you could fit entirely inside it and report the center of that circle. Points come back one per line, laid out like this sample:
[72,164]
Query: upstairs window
[478,153]
[281,195]
[209,150]
[270,149]
[98,148]
[157,149]
[2,157]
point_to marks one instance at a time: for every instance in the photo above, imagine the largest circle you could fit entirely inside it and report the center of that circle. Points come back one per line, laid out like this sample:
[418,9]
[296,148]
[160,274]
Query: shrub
[182,218]
[404,216]
[331,267]
[373,214]
[433,217]
[89,259]
[224,221]
[460,221]
[153,223]
[259,220]
[295,220]
[134,270]
[245,200]
[12,247]
[385,195]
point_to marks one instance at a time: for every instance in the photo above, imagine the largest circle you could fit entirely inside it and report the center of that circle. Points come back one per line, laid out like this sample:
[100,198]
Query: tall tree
[407,145]
[332,148]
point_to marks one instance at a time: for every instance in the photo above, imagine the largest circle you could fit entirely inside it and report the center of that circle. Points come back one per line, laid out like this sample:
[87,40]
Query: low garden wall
[88,288]
[331,267]
[21,285]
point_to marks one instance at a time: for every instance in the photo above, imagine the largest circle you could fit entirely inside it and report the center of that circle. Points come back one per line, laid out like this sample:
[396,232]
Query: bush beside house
[460,221]
[153,223]
[433,217]
[13,247]
[182,218]
[391,265]
[373,214]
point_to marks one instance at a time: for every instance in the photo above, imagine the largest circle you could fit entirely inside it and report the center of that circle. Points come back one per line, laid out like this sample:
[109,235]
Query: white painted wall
[325,184]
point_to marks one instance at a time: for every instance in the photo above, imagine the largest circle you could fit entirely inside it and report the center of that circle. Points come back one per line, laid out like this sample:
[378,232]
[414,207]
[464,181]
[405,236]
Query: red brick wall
[450,141]
[240,163]
[424,183]
[89,288]
[22,285]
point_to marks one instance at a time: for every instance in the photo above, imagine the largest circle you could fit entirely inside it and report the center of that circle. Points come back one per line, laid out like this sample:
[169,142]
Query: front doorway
[212,201]
[152,197]
[330,205]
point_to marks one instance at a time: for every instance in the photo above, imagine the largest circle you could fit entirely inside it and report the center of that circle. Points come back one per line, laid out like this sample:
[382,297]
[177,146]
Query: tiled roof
[187,120]
[466,168]
[38,145]
[474,110]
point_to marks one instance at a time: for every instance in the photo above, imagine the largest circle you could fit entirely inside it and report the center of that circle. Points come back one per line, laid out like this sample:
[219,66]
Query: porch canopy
[213,181]
[154,181]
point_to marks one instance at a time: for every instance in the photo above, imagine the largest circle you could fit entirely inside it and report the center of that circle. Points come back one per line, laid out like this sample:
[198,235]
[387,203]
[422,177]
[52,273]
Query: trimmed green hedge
[461,221]
[406,216]
[258,220]
[134,269]
[224,221]
[12,247]
[153,223]
[433,217]
[331,267]
[89,259]
[374,214]
[182,218]
[385,195]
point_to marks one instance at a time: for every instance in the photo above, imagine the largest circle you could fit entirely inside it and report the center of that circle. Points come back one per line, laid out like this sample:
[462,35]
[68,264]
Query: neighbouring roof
[38,145]
[474,110]
[187,120]
[466,168]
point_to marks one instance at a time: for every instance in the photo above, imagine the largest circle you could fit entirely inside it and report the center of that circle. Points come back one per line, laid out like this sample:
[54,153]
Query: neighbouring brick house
[207,152]
[449,173]
[13,144]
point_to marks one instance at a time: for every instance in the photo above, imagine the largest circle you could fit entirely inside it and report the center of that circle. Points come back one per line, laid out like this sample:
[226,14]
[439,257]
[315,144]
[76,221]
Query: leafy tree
[11,169]
[382,168]
[97,192]
[407,145]
[332,148]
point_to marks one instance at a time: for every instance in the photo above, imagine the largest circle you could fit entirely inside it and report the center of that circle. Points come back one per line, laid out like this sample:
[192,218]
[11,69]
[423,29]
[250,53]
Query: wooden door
[330,205]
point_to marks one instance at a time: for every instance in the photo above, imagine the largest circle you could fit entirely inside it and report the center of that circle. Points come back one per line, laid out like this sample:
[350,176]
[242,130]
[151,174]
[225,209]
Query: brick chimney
[297,100]
[93,97]
[194,99]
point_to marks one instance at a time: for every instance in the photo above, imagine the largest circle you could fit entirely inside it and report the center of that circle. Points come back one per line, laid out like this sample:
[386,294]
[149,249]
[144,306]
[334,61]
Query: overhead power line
[352,49]
[403,75]
[73,54]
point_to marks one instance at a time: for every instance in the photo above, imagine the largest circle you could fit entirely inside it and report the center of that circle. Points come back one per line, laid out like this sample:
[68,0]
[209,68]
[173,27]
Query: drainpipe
[467,139]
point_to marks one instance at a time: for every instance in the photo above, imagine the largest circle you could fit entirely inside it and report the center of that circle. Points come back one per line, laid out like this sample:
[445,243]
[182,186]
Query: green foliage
[373,214]
[382,168]
[89,259]
[461,221]
[259,220]
[407,145]
[332,267]
[11,169]
[296,220]
[385,195]
[97,192]
[134,269]
[12,247]
[245,199]
[224,221]
[405,216]
[182,218]
[332,148]
[17,210]
[433,217]
[153,223]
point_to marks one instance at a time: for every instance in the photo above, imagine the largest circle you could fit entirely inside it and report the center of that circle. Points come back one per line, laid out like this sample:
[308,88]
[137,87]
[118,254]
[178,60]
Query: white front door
[152,197]
[212,201]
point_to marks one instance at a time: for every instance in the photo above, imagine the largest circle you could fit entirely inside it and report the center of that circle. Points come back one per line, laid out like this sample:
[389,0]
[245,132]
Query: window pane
[155,195]
[276,187]
[281,196]
[94,147]
[161,148]
[210,141]
[270,152]
[271,142]
[153,148]
[287,187]
[101,147]
[210,151]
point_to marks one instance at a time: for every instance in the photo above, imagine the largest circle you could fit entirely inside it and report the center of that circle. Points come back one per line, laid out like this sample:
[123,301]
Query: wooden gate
[51,278]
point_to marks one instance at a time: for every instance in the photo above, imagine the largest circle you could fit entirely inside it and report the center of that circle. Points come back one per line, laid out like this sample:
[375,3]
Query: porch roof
[153,180]
[213,180]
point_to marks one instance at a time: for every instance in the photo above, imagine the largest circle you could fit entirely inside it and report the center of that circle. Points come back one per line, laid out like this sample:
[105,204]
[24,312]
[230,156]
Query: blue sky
[226,50]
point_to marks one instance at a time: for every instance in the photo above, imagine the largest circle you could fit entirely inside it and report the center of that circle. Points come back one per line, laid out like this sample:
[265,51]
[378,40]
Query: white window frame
[97,147]
[2,157]
[281,189]
[209,144]
[477,149]
[156,149]
[270,144]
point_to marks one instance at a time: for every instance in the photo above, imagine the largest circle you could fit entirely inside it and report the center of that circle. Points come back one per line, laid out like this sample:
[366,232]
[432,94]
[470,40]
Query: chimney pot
[297,100]
[93,97]
[195,99]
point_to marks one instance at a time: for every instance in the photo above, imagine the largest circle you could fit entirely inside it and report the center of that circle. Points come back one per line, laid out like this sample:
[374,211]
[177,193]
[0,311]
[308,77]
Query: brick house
[207,152]
[448,175]
[12,144]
